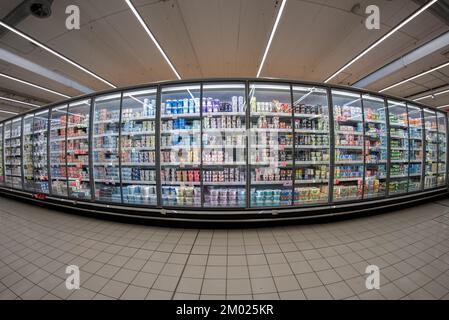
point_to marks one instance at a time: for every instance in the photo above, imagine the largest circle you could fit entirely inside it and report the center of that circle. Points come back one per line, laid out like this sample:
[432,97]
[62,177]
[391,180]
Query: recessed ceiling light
[273,31]
[415,77]
[432,95]
[33,85]
[8,112]
[382,39]
[152,37]
[20,102]
[55,53]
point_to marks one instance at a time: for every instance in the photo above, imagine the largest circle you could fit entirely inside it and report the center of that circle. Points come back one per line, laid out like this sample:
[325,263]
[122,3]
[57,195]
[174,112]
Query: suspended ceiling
[222,38]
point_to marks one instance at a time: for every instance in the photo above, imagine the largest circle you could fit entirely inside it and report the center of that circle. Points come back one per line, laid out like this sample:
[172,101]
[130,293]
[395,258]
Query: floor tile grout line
[185,264]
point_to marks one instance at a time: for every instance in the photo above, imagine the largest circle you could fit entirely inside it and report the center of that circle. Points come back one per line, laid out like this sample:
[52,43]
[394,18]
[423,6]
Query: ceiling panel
[221,38]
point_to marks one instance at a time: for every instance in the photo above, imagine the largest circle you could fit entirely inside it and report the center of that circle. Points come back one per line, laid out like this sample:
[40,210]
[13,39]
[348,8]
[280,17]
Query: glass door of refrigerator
[8,158]
[442,147]
[376,147]
[349,146]
[271,145]
[78,169]
[106,158]
[180,140]
[399,148]
[224,145]
[138,147]
[312,153]
[2,172]
[431,131]
[28,141]
[416,133]
[16,152]
[40,160]
[58,158]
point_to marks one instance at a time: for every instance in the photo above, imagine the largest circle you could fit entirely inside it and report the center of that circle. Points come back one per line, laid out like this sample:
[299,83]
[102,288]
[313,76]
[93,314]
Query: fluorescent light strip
[382,39]
[223,86]
[20,102]
[432,95]
[150,34]
[270,87]
[8,112]
[446,106]
[33,85]
[57,54]
[416,77]
[275,26]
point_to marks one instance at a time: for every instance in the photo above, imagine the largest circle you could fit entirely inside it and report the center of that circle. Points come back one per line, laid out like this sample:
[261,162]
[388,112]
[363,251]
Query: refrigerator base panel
[233,217]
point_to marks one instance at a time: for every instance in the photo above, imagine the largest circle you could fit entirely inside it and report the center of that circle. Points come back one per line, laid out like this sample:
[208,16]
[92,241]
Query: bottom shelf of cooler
[272,197]
[224,197]
[181,196]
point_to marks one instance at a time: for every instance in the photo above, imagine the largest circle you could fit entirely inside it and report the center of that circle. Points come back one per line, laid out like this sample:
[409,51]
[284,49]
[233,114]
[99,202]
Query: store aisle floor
[318,261]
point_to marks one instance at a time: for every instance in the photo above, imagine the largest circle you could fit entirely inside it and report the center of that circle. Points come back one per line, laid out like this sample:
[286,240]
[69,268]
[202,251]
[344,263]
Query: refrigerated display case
[7,154]
[349,146]
[106,156]
[399,147]
[271,145]
[224,145]
[40,150]
[216,149]
[311,145]
[180,145]
[376,146]
[16,153]
[27,159]
[431,131]
[58,151]
[442,147]
[78,152]
[416,143]
[2,172]
[138,147]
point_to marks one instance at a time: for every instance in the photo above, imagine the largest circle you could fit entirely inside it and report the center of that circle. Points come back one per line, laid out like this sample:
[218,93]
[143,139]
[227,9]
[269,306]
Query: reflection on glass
[271,145]
[28,176]
[106,148]
[58,134]
[312,157]
[16,153]
[349,146]
[138,147]
[399,147]
[416,148]
[431,129]
[181,146]
[40,164]
[376,146]
[224,145]
[2,172]
[78,150]
[442,145]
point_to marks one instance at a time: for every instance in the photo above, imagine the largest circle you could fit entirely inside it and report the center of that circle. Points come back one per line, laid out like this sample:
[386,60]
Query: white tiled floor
[313,261]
